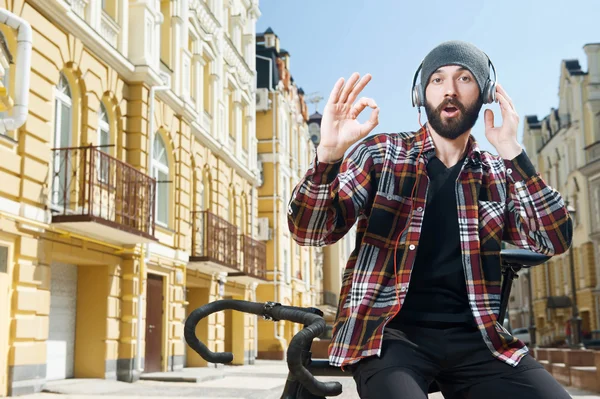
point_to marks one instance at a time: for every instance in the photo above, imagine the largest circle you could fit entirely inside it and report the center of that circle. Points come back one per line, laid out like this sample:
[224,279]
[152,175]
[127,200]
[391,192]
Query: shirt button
[411,247]
[420,209]
[403,289]
[509,171]
[389,197]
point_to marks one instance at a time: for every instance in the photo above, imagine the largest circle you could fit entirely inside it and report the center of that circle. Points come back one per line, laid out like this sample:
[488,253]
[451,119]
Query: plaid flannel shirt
[498,200]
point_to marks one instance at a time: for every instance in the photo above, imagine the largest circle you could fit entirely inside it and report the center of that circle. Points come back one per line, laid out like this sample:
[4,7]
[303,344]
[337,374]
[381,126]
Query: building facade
[563,148]
[335,256]
[129,195]
[285,152]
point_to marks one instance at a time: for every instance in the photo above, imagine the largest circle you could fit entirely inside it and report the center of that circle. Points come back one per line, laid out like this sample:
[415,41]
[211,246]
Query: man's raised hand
[339,126]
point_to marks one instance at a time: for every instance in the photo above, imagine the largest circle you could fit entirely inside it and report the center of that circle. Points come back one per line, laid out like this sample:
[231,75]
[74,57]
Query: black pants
[454,357]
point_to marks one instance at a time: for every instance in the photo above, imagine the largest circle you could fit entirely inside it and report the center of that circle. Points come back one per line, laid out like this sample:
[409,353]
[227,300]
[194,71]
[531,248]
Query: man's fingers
[358,88]
[501,90]
[336,91]
[488,117]
[361,105]
[508,113]
[348,87]
[369,125]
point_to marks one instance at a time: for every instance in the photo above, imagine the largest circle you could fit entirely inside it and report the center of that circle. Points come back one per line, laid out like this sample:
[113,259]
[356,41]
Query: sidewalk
[263,380]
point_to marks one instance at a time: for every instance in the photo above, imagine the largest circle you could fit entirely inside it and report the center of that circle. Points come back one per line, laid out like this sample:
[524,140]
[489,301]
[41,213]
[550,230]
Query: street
[263,380]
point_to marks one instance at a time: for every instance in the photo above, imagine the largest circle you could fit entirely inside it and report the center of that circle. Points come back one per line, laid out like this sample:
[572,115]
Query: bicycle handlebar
[314,327]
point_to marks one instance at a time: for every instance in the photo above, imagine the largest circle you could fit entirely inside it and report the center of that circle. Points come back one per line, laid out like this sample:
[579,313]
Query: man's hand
[339,127]
[503,138]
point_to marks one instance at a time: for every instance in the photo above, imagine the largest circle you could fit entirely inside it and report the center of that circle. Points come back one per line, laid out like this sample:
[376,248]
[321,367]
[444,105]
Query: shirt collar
[423,135]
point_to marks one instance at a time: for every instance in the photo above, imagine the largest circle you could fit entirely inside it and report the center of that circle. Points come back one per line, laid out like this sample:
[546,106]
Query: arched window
[63,113]
[5,79]
[103,143]
[160,171]
[103,129]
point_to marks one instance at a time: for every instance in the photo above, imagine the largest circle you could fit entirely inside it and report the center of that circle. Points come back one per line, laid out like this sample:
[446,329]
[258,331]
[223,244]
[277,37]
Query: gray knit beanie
[460,53]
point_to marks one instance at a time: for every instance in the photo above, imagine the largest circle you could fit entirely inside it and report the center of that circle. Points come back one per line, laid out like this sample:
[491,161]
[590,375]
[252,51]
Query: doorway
[154,323]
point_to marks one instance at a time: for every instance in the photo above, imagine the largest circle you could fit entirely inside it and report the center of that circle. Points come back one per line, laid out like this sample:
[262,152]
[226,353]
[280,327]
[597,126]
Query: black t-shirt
[437,292]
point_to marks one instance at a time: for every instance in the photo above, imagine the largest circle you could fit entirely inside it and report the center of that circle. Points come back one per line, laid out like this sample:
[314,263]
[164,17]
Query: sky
[525,39]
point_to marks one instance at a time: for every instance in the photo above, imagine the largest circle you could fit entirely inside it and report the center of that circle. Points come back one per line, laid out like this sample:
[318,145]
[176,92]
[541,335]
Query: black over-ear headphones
[489,90]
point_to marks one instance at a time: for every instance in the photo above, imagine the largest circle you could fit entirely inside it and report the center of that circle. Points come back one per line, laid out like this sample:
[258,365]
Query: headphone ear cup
[416,102]
[418,96]
[489,92]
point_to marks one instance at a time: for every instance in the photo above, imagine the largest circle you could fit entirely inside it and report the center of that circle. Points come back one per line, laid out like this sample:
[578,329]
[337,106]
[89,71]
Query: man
[421,291]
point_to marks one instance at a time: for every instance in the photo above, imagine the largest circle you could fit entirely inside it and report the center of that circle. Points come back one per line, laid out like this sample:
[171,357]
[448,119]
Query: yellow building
[335,256]
[285,152]
[565,152]
[127,196]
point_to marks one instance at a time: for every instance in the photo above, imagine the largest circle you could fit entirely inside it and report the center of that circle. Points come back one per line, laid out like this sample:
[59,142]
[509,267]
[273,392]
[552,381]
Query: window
[193,68]
[206,86]
[160,171]
[63,104]
[232,127]
[286,266]
[166,33]
[3,259]
[245,126]
[284,134]
[103,144]
[306,272]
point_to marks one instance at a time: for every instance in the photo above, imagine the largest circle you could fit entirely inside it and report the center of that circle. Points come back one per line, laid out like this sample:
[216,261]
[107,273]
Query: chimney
[592,50]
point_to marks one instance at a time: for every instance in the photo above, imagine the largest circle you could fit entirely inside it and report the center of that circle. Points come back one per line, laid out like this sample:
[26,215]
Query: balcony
[218,247]
[253,261]
[327,298]
[327,301]
[592,159]
[109,29]
[79,7]
[99,196]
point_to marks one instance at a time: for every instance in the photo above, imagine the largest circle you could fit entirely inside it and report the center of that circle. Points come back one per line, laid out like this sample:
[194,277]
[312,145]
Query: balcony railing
[254,257]
[89,185]
[218,245]
[327,298]
[214,240]
[79,7]
[592,152]
[109,29]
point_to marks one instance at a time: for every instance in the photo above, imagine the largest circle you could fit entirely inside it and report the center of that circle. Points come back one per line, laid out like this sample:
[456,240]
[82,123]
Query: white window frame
[103,130]
[61,99]
[157,167]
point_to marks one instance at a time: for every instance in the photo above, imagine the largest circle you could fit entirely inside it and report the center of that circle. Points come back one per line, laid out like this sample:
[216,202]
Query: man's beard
[452,128]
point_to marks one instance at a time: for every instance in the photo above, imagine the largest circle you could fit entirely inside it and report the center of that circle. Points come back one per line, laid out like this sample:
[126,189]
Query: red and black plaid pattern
[498,200]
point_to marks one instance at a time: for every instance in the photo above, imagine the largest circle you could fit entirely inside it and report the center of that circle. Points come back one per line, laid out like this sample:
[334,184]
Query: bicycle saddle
[522,257]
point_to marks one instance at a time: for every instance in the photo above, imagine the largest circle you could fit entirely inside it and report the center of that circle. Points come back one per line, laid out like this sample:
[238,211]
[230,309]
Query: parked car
[522,334]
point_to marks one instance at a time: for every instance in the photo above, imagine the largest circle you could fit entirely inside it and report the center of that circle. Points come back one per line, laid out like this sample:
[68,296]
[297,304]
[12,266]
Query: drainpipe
[22,73]
[274,140]
[146,251]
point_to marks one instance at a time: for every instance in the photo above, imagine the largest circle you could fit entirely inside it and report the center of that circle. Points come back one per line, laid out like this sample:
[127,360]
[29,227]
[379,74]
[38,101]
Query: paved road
[263,380]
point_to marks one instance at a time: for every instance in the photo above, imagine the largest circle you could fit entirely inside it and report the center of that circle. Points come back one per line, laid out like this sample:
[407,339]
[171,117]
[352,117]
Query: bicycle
[301,382]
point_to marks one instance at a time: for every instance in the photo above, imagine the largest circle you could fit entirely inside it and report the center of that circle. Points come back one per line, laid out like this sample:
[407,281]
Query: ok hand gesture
[339,127]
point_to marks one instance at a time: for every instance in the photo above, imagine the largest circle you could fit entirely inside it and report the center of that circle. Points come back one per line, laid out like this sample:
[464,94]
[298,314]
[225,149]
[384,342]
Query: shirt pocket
[389,215]
[491,223]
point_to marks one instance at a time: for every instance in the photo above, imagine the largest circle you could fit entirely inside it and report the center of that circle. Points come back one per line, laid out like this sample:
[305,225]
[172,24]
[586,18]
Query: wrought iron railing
[592,152]
[327,298]
[87,183]
[254,257]
[214,239]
